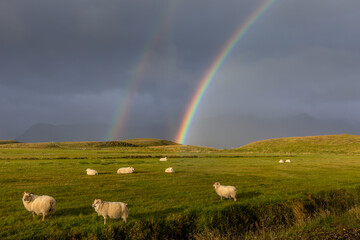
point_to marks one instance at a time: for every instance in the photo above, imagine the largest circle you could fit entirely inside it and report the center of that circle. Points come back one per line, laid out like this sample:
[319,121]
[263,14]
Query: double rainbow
[217,63]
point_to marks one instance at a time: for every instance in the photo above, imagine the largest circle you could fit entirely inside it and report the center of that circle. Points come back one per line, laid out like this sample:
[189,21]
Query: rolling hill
[7,141]
[138,142]
[344,143]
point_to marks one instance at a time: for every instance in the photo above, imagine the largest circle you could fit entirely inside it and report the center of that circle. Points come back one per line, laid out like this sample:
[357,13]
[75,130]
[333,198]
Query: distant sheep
[163,159]
[170,170]
[91,172]
[111,209]
[281,161]
[39,204]
[225,191]
[125,170]
[287,161]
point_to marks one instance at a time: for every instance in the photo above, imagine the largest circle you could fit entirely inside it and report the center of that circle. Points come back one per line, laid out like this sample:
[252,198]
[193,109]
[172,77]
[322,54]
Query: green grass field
[180,205]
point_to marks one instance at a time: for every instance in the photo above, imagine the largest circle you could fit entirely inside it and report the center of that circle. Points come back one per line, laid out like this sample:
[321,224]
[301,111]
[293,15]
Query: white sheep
[287,161]
[125,170]
[91,172]
[39,204]
[170,170]
[111,209]
[225,191]
[281,161]
[163,159]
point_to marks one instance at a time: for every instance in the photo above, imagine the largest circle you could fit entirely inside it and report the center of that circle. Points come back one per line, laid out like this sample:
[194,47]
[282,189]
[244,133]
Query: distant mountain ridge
[43,132]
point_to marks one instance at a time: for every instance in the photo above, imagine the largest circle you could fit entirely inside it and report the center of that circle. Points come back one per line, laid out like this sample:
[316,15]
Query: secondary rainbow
[216,64]
[138,72]
[131,86]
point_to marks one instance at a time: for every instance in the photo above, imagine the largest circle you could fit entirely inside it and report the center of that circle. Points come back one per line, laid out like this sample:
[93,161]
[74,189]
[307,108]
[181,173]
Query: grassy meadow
[275,200]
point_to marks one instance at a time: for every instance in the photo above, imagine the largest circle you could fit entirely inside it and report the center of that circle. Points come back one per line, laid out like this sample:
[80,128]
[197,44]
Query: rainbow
[131,86]
[137,74]
[216,64]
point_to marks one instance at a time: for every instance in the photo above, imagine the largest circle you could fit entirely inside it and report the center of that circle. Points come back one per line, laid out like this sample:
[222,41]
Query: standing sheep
[225,191]
[39,204]
[163,159]
[111,209]
[287,161]
[125,170]
[170,170]
[91,172]
[281,161]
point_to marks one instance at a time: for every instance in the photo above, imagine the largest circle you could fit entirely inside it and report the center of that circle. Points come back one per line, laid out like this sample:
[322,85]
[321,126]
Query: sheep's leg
[43,217]
[221,197]
[104,220]
[234,199]
[33,214]
[124,218]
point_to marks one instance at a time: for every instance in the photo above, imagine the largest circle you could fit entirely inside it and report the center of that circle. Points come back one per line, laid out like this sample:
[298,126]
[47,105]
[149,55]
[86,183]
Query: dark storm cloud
[69,46]
[93,46]
[71,62]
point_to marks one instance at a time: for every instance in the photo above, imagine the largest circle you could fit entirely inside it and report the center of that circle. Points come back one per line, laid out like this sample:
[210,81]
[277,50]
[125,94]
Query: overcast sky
[72,61]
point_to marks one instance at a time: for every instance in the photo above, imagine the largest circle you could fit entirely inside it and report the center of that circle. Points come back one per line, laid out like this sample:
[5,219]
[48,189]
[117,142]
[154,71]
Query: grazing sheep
[281,161]
[287,161]
[91,172]
[111,209]
[170,170]
[225,191]
[39,204]
[125,170]
[163,159]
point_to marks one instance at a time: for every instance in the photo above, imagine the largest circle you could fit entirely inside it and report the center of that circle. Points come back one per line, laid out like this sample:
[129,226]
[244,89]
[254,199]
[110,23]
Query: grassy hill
[138,142]
[344,143]
[140,147]
[7,141]
[146,142]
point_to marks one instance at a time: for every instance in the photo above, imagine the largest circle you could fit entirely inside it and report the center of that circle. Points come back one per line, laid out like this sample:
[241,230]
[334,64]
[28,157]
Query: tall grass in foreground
[263,221]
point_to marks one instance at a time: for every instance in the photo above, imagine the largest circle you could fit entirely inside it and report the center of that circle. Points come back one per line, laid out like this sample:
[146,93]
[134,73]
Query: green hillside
[344,143]
[7,141]
[138,142]
[146,142]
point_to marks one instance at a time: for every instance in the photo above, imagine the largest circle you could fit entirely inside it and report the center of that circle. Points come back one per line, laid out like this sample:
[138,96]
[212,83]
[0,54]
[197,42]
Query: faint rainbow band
[137,74]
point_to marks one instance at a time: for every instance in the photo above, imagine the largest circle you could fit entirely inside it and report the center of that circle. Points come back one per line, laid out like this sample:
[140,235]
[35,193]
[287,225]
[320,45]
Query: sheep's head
[97,203]
[88,169]
[27,197]
[216,185]
[132,169]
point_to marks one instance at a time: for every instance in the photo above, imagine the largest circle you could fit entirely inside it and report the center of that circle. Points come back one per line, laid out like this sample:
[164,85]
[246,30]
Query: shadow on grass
[106,173]
[249,194]
[75,211]
[158,214]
